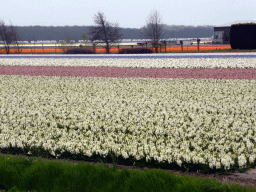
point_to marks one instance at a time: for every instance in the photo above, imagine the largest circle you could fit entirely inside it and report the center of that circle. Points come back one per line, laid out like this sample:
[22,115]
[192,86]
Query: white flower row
[205,121]
[140,63]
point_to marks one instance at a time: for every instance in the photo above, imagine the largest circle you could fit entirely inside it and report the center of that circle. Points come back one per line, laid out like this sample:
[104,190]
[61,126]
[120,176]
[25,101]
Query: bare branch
[8,34]
[104,30]
[153,29]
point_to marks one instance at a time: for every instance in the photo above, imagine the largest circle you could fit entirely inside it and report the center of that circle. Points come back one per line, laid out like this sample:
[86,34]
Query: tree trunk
[107,48]
[198,41]
[156,48]
[7,49]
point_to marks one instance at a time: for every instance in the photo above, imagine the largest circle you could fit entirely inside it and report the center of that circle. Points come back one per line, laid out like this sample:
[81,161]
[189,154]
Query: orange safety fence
[102,50]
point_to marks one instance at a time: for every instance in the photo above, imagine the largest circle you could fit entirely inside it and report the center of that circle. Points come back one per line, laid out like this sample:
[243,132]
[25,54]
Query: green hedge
[79,51]
[135,51]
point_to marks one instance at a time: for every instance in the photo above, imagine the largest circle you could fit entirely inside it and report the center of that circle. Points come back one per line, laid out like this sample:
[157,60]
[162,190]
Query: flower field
[32,50]
[136,63]
[102,50]
[175,119]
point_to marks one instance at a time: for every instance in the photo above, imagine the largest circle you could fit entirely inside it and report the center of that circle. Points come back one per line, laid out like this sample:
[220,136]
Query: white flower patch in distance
[133,63]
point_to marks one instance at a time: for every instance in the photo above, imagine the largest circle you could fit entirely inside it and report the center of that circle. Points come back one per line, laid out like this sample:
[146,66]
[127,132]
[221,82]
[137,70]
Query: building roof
[236,22]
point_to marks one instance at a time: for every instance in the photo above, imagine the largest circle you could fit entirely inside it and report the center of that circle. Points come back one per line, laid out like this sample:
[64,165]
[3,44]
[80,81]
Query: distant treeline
[31,33]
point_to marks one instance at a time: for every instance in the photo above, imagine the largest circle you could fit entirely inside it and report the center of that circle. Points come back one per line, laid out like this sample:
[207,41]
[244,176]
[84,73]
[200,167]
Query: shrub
[79,51]
[135,51]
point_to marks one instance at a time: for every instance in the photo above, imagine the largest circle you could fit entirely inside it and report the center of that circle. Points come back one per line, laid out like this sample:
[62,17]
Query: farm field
[190,114]
[74,44]
[114,49]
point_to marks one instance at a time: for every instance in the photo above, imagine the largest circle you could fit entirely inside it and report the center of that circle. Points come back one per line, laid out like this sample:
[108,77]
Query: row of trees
[109,33]
[103,30]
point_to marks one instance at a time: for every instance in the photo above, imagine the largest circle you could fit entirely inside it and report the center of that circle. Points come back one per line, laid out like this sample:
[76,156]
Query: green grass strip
[34,174]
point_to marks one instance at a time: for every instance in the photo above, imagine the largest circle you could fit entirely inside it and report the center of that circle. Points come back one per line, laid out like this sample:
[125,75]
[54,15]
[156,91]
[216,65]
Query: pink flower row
[218,73]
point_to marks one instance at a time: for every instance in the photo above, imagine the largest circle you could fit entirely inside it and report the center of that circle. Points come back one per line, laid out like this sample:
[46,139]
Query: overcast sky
[127,13]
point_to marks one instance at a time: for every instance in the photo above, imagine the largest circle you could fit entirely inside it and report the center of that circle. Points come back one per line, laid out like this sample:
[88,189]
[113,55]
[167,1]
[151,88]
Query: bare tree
[153,29]
[15,39]
[68,42]
[8,34]
[85,38]
[34,44]
[104,31]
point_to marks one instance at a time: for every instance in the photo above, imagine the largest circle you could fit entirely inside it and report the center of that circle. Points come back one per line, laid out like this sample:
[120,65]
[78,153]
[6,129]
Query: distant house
[194,42]
[185,42]
[222,32]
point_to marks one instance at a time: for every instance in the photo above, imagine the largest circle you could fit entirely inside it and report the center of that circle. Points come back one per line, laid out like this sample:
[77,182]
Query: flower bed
[200,73]
[187,122]
[136,63]
[103,50]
